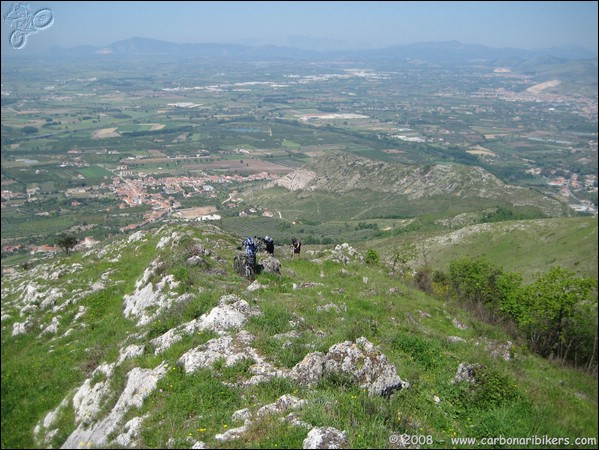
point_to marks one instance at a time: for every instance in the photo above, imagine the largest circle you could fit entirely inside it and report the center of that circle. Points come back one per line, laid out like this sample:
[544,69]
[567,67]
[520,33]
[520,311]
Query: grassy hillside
[342,186]
[73,319]
[524,246]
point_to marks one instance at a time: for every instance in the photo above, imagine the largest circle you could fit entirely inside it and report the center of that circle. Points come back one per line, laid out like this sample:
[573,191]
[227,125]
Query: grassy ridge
[525,246]
[524,396]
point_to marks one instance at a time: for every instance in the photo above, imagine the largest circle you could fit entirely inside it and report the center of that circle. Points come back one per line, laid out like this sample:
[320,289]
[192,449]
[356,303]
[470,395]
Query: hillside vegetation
[152,340]
[523,246]
[343,186]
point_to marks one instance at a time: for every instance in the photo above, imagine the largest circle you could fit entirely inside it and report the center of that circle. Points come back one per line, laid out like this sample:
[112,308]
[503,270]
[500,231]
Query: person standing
[250,251]
[270,245]
[296,245]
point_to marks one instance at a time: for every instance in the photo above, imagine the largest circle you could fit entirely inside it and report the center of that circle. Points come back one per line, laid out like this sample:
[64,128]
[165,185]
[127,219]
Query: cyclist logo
[24,23]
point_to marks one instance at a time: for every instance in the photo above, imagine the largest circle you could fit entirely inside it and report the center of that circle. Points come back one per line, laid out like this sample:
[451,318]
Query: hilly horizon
[151,340]
[436,52]
[575,65]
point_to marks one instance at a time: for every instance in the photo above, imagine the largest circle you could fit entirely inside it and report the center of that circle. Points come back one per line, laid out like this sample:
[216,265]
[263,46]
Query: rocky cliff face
[298,179]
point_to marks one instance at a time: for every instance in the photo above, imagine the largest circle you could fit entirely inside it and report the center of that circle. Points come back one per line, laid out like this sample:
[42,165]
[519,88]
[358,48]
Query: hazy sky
[347,24]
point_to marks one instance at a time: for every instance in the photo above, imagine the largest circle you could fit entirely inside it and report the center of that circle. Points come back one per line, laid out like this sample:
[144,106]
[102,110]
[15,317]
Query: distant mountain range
[451,52]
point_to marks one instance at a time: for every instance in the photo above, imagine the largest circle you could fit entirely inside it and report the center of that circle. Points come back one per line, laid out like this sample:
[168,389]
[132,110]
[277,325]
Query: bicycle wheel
[238,265]
[249,271]
[43,19]
[17,39]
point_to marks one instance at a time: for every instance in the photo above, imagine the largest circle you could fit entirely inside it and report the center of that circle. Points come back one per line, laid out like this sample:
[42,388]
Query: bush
[480,282]
[558,313]
[372,257]
[424,279]
[490,389]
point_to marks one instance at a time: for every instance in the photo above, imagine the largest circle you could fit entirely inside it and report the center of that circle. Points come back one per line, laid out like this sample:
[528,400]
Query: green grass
[526,246]
[525,396]
[95,172]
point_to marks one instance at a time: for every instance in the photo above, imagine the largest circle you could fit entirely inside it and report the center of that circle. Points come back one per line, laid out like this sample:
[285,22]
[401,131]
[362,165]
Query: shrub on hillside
[557,313]
[372,257]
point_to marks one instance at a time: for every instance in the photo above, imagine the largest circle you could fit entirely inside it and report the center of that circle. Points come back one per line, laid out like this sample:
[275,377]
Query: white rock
[132,430]
[321,437]
[129,352]
[283,404]
[21,327]
[140,384]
